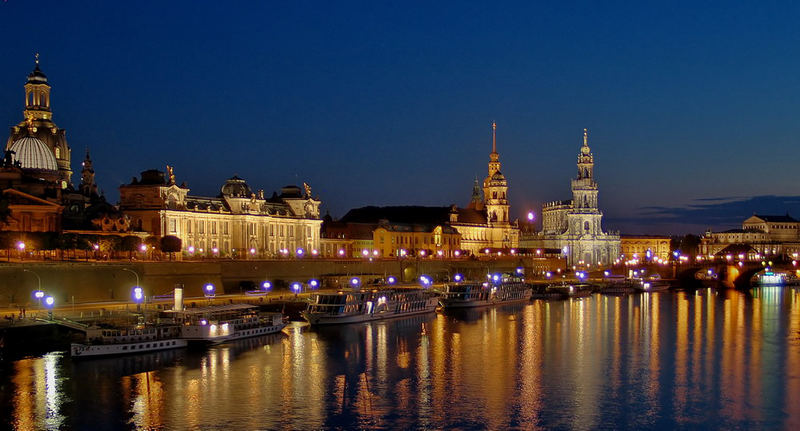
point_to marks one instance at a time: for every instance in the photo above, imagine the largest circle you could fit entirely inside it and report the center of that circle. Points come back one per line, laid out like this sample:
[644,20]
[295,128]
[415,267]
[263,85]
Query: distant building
[237,222]
[574,226]
[484,224]
[392,232]
[767,235]
[644,246]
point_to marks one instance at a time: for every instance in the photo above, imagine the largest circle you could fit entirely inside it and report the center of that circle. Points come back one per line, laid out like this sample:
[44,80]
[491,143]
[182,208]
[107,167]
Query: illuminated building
[37,132]
[574,226]
[238,222]
[441,231]
[35,175]
[485,223]
[638,246]
[766,234]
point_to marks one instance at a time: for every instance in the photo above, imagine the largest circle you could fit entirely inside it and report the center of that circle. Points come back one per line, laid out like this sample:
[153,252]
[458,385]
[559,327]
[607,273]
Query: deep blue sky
[391,103]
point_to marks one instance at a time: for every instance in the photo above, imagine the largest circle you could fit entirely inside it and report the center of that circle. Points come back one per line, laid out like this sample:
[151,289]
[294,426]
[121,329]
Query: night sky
[692,110]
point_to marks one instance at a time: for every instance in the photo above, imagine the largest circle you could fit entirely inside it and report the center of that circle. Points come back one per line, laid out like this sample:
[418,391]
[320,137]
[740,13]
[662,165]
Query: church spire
[494,137]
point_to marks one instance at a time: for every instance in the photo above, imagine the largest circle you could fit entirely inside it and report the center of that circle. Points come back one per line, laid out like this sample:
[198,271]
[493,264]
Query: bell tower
[584,188]
[495,188]
[37,95]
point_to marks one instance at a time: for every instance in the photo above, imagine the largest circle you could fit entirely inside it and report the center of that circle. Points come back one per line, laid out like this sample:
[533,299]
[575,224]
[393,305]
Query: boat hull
[320,319]
[78,350]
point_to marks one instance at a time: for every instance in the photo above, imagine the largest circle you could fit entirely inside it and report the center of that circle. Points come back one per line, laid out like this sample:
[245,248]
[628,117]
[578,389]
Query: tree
[152,242]
[130,244]
[690,245]
[171,244]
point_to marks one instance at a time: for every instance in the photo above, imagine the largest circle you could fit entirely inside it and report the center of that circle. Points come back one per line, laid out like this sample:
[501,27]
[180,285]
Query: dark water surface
[705,359]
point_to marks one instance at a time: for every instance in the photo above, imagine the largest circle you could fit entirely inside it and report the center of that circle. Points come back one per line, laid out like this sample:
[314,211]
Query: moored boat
[220,323]
[124,341]
[367,305]
[562,291]
[467,295]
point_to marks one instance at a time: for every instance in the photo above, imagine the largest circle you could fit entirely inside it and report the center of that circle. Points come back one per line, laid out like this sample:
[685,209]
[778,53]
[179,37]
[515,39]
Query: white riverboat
[367,305]
[221,323]
[125,341]
[468,295]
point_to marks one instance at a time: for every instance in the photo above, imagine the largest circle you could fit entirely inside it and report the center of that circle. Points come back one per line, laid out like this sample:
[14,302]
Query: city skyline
[370,118]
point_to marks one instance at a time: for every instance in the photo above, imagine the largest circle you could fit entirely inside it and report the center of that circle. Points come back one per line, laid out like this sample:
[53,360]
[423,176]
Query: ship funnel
[178,296]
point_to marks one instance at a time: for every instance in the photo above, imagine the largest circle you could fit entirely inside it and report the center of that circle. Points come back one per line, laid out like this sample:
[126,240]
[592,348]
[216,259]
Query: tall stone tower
[585,217]
[495,188]
[38,123]
[88,186]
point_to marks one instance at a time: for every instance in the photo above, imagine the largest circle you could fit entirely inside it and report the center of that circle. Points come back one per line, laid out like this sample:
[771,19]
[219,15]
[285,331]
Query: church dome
[32,153]
[236,187]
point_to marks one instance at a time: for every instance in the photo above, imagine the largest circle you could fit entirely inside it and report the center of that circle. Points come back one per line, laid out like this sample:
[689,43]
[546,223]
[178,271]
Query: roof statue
[308,190]
[171,176]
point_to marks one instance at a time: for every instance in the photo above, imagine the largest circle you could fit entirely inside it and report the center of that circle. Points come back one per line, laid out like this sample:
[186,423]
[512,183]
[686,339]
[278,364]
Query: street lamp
[355,282]
[49,301]
[296,287]
[458,278]
[138,296]
[266,285]
[391,279]
[313,283]
[208,290]
[425,280]
[21,248]
[37,277]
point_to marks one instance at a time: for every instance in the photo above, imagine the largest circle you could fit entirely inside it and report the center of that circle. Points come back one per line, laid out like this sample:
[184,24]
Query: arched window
[586,226]
[58,153]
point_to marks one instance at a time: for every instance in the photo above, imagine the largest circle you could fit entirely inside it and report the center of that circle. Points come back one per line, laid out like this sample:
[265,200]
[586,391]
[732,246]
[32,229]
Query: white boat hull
[324,319]
[96,350]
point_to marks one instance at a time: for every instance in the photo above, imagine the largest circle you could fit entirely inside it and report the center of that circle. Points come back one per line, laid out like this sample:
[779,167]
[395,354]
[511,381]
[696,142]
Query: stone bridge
[722,274]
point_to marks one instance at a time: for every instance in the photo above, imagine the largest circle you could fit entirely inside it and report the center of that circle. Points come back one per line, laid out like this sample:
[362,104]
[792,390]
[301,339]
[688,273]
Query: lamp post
[136,274]
[138,296]
[21,248]
[37,277]
[49,301]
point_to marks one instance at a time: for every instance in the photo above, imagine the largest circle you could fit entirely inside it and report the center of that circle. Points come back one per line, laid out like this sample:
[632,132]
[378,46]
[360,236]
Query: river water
[705,359]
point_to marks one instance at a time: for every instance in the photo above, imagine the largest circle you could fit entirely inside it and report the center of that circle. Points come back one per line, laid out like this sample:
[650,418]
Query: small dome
[32,153]
[585,150]
[236,188]
[37,76]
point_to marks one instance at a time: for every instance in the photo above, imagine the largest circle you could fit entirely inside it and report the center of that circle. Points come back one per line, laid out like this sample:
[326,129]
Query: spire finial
[585,137]
[494,136]
[37,58]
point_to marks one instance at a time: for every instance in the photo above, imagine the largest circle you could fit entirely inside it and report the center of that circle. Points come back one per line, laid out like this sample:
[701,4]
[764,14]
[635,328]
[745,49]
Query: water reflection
[658,360]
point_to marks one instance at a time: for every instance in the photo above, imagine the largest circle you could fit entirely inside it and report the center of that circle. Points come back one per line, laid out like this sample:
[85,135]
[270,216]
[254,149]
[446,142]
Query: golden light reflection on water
[669,360]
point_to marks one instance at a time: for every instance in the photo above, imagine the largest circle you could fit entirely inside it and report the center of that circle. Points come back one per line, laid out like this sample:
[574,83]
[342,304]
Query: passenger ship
[467,295]
[367,305]
[137,339]
[220,323]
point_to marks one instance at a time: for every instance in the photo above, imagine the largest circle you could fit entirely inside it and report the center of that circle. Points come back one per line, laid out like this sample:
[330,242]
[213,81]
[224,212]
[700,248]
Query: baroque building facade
[575,226]
[238,222]
[766,235]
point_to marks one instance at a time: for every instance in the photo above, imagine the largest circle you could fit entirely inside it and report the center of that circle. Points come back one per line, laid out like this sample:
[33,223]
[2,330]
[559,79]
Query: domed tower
[495,188]
[584,188]
[38,123]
